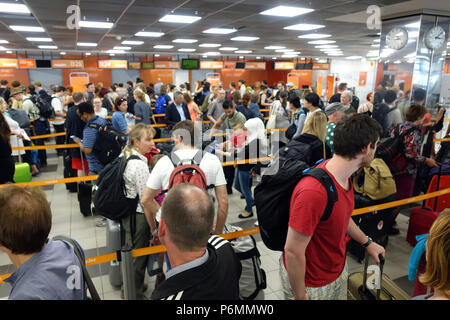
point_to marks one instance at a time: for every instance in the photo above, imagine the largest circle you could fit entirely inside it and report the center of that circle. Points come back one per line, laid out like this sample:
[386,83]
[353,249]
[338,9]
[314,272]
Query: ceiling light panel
[210,45]
[175,18]
[47,47]
[228,49]
[14,8]
[274,47]
[219,31]
[212,53]
[4,41]
[284,50]
[27,28]
[326,46]
[243,51]
[86,44]
[39,39]
[163,46]
[95,24]
[186,50]
[304,27]
[244,38]
[314,36]
[132,43]
[285,11]
[185,41]
[149,34]
[121,48]
[322,41]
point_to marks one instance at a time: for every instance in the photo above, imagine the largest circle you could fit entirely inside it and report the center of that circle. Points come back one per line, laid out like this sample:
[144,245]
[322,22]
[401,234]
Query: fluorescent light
[415,25]
[325,46]
[9,51]
[314,36]
[157,55]
[285,11]
[62,53]
[122,48]
[210,45]
[186,50]
[284,50]
[87,53]
[376,40]
[353,58]
[163,46]
[274,58]
[174,18]
[258,57]
[321,41]
[330,49]
[47,47]
[304,27]
[241,57]
[242,38]
[212,53]
[228,49]
[185,41]
[132,43]
[112,54]
[243,51]
[39,39]
[274,47]
[86,44]
[4,41]
[27,28]
[95,24]
[115,51]
[14,8]
[220,30]
[149,34]
[205,56]
[2,48]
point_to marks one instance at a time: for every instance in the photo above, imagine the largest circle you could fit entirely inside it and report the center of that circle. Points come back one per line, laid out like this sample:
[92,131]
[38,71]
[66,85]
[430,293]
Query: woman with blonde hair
[313,134]
[437,272]
[135,177]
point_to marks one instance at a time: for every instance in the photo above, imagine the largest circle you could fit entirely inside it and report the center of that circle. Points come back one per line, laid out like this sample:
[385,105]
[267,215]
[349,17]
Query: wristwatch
[155,232]
[369,241]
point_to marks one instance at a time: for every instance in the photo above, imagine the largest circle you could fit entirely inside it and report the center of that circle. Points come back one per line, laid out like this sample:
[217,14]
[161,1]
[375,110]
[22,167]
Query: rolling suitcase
[84,189]
[69,172]
[421,218]
[357,286]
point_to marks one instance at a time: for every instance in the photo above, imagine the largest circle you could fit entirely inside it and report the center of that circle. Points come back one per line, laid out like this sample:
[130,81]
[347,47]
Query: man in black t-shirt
[204,267]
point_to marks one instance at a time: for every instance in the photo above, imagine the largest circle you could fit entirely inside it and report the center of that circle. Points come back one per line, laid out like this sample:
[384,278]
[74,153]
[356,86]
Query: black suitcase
[84,189]
[69,172]
[374,224]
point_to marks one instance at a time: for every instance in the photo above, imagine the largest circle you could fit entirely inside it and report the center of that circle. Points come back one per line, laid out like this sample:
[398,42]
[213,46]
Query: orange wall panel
[96,75]
[15,74]
[152,75]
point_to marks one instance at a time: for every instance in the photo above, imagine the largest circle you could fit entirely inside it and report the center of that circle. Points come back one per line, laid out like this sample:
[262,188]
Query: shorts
[76,165]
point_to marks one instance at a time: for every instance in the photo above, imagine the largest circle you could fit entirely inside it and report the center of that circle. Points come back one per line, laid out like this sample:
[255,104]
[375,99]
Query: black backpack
[392,150]
[109,193]
[44,104]
[379,113]
[109,143]
[273,198]
[299,151]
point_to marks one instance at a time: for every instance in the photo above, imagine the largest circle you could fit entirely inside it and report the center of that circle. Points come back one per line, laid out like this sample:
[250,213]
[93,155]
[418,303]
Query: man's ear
[366,149]
[162,228]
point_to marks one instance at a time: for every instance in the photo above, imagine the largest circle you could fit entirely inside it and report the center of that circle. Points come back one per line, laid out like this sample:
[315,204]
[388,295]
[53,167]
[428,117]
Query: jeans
[243,184]
[41,128]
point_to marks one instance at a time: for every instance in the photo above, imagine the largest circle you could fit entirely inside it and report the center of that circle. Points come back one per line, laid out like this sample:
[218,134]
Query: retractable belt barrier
[232,235]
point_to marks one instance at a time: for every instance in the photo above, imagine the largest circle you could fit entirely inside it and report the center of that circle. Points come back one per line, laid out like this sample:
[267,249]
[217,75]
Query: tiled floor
[67,219]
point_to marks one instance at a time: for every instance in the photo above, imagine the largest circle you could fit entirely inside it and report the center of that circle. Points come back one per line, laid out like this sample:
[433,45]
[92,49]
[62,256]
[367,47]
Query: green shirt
[235,119]
[329,138]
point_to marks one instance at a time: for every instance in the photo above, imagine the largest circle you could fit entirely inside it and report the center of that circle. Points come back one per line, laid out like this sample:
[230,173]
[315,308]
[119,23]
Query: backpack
[187,173]
[44,104]
[109,143]
[392,150]
[34,112]
[375,181]
[21,117]
[160,104]
[299,151]
[379,113]
[253,277]
[109,193]
[273,198]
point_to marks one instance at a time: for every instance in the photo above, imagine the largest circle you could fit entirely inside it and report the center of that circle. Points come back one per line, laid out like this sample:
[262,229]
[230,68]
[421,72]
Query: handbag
[378,180]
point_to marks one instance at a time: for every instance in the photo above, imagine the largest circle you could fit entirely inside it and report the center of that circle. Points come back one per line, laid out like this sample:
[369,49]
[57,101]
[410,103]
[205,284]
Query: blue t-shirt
[142,110]
[119,122]
[54,273]
[89,139]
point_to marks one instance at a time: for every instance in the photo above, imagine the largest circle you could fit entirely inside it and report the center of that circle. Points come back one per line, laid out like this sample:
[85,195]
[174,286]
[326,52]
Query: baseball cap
[290,84]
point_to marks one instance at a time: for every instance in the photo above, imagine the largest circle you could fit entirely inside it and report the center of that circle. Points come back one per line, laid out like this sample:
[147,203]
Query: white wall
[180,76]
[348,71]
[124,75]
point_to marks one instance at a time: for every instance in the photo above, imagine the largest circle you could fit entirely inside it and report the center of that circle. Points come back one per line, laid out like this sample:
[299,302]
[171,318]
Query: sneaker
[101,223]
[256,224]
[245,215]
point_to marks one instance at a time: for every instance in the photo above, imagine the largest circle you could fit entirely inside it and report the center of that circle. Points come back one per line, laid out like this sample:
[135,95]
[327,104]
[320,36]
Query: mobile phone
[73,137]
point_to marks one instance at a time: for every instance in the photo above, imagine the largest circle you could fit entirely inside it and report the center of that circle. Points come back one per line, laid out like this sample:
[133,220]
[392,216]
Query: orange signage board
[392,67]
[67,64]
[362,78]
[211,65]
[167,65]
[284,66]
[9,63]
[230,64]
[134,65]
[321,66]
[255,65]
[113,64]
[27,64]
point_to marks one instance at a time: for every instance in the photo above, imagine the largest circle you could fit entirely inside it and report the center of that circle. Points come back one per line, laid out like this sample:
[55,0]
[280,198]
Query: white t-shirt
[147,100]
[103,113]
[57,106]
[210,164]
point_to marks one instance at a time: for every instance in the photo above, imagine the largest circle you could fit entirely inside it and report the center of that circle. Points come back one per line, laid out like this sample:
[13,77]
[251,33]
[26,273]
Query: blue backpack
[160,104]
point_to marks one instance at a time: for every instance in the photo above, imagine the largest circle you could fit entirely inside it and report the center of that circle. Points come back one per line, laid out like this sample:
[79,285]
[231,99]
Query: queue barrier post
[114,244]
[126,266]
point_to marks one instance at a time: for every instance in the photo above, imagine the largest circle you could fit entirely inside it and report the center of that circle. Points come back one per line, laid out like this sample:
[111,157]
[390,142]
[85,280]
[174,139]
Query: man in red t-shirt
[313,263]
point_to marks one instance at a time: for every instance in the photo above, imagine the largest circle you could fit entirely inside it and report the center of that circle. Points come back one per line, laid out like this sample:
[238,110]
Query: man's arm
[294,250]
[374,249]
[216,125]
[222,210]
[150,206]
